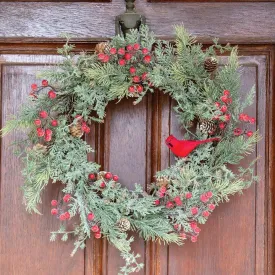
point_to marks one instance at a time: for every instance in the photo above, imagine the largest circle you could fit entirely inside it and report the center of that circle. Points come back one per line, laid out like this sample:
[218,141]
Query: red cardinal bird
[182,148]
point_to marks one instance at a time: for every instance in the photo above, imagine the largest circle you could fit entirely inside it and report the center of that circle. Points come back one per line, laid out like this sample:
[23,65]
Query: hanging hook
[129,20]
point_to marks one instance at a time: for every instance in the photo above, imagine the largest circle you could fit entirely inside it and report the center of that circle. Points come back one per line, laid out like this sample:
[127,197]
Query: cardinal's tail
[209,140]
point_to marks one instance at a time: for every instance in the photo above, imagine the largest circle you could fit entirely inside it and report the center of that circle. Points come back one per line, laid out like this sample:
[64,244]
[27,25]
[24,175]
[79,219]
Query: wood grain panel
[24,239]
[234,22]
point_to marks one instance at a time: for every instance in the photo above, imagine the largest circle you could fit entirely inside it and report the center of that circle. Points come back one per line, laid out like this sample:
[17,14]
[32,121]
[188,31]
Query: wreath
[208,106]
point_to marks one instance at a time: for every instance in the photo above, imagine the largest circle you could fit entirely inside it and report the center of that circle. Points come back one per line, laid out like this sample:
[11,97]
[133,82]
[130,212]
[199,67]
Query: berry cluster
[223,114]
[44,121]
[61,214]
[103,180]
[204,209]
[135,59]
[246,119]
[84,127]
[94,226]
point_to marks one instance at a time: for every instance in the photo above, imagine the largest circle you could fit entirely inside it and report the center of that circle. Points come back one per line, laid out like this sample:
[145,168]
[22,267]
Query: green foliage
[84,85]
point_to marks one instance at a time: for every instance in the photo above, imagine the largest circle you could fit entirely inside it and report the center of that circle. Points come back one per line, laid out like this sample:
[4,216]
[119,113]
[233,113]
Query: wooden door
[238,239]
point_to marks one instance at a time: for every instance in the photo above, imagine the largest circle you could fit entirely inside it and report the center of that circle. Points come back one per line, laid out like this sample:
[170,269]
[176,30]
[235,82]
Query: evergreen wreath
[208,107]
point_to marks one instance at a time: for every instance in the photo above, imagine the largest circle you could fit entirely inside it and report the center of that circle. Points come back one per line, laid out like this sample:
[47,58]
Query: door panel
[238,238]
[24,238]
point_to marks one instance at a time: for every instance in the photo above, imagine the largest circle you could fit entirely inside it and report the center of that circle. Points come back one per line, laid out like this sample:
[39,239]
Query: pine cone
[162,181]
[101,175]
[123,224]
[207,126]
[210,64]
[76,130]
[40,148]
[102,47]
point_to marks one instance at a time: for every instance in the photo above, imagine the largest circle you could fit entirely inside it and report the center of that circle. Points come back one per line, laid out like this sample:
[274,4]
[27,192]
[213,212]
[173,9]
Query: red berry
[139,88]
[40,132]
[67,215]
[106,58]
[97,235]
[132,70]
[226,92]
[45,83]
[224,99]
[222,125]
[161,195]
[169,205]
[54,211]
[194,210]
[127,56]
[54,202]
[121,51]
[43,114]
[136,79]
[115,178]
[48,138]
[245,118]
[95,228]
[252,120]
[163,189]
[91,216]
[102,184]
[209,194]
[211,206]
[113,51]
[121,62]
[62,217]
[194,239]
[108,176]
[66,198]
[86,129]
[223,109]
[182,235]
[34,87]
[237,132]
[205,214]
[48,132]
[91,176]
[227,117]
[217,104]
[131,89]
[157,202]
[229,100]
[145,51]
[129,48]
[193,225]
[204,198]
[241,116]
[51,94]
[147,59]
[249,133]
[101,56]
[197,230]
[178,201]
[144,76]
[37,122]
[54,123]
[136,47]
[188,195]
